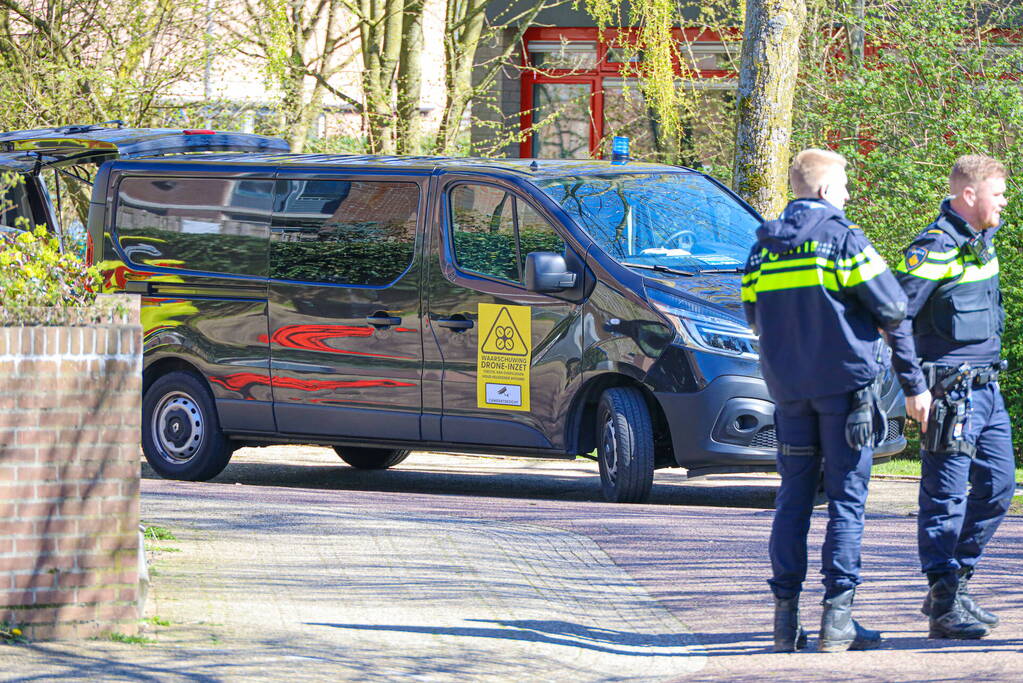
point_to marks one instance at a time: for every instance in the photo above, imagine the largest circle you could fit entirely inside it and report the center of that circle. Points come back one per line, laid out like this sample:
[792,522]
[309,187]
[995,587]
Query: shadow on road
[566,482]
[554,632]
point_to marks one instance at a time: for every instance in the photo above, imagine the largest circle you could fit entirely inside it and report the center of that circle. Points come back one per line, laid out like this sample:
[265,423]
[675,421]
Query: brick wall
[69,478]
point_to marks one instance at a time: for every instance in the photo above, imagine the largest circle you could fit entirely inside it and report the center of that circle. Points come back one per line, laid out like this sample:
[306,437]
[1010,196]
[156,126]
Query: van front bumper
[728,426]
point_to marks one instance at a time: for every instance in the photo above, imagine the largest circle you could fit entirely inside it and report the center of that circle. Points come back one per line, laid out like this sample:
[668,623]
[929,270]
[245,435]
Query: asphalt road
[291,564]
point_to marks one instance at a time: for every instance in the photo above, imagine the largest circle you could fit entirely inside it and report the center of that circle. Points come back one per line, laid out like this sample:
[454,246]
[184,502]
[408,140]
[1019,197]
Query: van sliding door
[345,346]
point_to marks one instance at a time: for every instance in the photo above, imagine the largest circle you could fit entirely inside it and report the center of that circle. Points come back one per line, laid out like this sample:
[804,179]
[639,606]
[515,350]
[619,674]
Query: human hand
[919,407]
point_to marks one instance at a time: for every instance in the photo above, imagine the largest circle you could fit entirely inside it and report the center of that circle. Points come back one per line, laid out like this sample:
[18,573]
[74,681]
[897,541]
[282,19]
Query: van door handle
[378,320]
[456,324]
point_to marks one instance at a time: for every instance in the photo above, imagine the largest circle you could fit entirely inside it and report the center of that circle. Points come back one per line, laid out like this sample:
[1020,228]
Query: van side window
[492,231]
[535,233]
[483,231]
[15,210]
[349,232]
[206,224]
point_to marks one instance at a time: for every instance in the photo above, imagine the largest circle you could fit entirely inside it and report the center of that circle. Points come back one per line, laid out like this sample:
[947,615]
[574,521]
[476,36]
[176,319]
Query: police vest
[967,308]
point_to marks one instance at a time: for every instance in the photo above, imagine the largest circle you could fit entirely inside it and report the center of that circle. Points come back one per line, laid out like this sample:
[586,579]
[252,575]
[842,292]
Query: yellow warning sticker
[505,348]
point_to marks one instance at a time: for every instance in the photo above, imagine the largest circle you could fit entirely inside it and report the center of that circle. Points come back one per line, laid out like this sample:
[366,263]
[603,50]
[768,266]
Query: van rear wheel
[181,435]
[625,446]
[371,458]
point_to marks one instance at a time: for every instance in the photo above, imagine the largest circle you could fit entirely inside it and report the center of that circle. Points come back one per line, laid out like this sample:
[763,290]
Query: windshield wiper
[659,268]
[720,270]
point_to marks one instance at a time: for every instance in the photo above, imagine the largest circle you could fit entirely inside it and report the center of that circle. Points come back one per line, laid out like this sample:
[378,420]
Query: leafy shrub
[937,82]
[36,273]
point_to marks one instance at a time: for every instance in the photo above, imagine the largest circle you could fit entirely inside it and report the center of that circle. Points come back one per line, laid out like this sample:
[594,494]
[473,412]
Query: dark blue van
[383,304]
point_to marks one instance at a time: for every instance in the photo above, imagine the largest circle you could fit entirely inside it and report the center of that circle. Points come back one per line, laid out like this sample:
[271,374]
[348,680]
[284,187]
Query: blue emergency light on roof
[619,150]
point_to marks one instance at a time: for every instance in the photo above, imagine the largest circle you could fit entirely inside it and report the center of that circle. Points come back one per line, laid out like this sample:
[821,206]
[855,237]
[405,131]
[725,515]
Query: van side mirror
[547,272]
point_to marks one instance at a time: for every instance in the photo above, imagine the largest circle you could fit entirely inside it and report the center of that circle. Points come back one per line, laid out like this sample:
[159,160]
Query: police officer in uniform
[816,291]
[947,356]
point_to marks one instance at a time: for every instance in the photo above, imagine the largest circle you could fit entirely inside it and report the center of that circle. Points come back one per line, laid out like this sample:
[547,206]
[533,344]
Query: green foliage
[936,83]
[36,273]
[130,640]
[157,533]
[374,257]
[87,61]
[493,253]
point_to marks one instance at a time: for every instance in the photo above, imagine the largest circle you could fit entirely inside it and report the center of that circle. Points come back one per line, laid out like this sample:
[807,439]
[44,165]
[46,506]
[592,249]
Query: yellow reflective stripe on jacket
[796,279]
[749,294]
[942,256]
[974,272]
[796,263]
[932,271]
[871,266]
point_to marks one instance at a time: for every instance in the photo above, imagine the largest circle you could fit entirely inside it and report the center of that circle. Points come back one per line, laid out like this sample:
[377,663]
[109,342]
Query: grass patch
[162,549]
[1016,506]
[153,532]
[155,621]
[131,640]
[911,467]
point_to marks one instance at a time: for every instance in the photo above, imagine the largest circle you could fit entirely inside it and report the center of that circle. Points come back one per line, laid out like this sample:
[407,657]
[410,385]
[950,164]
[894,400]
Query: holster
[951,390]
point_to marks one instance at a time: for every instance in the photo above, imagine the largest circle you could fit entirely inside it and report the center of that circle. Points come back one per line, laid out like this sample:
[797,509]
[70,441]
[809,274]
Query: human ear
[969,195]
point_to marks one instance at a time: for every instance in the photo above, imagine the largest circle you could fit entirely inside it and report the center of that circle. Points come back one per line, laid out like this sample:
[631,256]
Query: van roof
[534,168]
[23,150]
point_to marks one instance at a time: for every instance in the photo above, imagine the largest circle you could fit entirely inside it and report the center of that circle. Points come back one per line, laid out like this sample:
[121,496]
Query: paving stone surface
[291,566]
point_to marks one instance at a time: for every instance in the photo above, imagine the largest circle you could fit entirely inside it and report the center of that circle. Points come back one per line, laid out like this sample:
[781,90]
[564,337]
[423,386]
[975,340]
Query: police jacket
[955,312]
[816,292]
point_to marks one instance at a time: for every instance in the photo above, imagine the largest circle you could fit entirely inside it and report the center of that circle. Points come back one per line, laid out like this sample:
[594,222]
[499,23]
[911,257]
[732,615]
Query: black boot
[949,619]
[965,599]
[839,631]
[789,635]
[970,605]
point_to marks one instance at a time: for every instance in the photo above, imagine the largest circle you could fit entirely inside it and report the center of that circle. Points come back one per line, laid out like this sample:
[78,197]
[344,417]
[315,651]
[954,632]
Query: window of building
[572,111]
[562,54]
[212,225]
[492,231]
[343,231]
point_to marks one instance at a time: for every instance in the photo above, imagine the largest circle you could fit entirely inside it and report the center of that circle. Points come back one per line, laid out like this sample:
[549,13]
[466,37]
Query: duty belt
[980,375]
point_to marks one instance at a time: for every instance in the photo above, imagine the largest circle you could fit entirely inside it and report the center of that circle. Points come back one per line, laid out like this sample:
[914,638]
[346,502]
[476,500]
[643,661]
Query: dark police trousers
[954,527]
[846,472]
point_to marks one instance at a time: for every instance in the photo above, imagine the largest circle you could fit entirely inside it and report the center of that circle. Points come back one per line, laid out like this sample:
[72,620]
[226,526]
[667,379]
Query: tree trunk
[463,28]
[381,48]
[767,82]
[410,79]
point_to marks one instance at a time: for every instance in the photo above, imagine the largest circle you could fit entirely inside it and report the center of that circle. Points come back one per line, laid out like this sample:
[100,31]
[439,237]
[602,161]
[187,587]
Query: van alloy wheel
[625,445]
[181,435]
[178,428]
[609,452]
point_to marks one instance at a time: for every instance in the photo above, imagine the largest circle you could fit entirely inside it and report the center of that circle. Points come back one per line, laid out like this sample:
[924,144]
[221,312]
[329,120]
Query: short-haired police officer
[816,291]
[947,356]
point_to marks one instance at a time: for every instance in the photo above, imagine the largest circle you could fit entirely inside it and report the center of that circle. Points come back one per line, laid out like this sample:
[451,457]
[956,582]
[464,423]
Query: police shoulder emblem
[915,256]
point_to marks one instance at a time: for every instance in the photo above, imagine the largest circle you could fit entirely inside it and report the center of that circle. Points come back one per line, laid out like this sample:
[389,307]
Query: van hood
[716,290]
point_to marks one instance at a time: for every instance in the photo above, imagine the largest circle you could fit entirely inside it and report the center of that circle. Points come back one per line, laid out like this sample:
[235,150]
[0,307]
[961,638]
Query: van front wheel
[181,435]
[625,446]
[371,458]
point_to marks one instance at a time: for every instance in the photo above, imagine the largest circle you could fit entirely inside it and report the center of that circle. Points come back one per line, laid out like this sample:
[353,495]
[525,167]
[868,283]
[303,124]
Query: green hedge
[938,87]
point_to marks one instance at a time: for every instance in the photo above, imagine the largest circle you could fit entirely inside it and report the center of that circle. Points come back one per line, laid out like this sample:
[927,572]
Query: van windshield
[666,221]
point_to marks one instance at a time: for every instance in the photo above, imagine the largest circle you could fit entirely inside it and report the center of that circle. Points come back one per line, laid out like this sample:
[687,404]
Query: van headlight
[701,327]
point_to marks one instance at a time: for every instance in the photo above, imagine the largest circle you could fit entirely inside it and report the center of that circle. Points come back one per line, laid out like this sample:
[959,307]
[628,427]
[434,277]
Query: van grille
[894,430]
[765,438]
[768,440]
